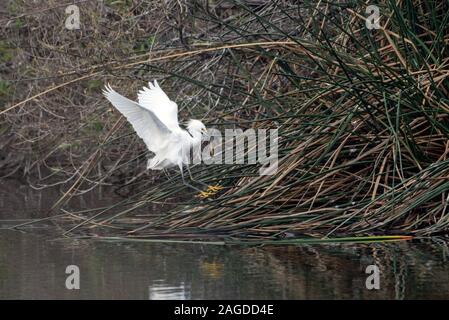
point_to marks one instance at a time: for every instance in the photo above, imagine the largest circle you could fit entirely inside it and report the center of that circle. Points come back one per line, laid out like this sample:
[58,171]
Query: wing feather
[147,125]
[154,98]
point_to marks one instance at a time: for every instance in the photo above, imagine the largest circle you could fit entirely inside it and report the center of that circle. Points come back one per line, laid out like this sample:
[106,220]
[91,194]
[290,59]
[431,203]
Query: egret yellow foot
[204,194]
[210,191]
[215,188]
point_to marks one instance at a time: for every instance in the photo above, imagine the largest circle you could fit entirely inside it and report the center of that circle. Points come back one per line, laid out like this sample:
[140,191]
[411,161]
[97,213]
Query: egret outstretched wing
[147,125]
[154,98]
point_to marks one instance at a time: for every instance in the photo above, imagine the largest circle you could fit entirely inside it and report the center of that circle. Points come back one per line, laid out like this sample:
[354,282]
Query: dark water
[32,266]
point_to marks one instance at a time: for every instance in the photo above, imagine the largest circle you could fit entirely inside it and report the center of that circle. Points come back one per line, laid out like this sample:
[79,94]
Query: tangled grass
[362,116]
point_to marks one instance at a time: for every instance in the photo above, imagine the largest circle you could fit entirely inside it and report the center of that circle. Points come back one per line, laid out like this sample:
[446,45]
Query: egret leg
[191,178]
[166,174]
[187,184]
[210,190]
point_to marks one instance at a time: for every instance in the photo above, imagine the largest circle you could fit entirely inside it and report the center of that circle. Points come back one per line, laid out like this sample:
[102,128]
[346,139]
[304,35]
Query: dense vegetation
[363,115]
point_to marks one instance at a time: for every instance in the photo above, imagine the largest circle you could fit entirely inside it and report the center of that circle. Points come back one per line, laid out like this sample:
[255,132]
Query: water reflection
[32,266]
[158,290]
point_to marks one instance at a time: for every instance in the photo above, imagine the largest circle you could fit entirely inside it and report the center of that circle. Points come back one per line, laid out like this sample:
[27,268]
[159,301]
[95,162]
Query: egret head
[196,126]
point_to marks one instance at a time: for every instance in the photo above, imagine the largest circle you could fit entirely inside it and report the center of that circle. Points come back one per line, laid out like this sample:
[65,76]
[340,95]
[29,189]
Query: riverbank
[362,115]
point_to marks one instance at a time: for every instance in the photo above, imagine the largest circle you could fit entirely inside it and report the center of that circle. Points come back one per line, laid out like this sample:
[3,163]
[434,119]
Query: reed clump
[362,116]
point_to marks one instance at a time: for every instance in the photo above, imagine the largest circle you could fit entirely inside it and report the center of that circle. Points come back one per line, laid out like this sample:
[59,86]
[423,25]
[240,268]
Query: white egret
[155,119]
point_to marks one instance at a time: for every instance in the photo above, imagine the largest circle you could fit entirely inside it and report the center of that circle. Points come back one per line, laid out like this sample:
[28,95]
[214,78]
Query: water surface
[32,265]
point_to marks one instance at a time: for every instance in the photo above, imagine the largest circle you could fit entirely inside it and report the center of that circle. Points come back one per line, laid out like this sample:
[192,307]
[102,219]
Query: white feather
[154,98]
[155,120]
[147,125]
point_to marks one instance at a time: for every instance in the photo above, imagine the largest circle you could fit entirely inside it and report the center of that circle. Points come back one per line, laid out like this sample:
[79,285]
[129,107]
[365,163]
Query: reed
[362,117]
